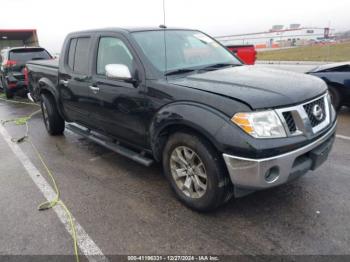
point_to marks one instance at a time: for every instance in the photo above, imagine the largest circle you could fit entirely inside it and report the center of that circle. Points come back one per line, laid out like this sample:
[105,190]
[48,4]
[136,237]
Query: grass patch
[336,52]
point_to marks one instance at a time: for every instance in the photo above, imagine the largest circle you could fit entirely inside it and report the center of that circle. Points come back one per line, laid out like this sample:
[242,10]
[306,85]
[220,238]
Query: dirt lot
[125,208]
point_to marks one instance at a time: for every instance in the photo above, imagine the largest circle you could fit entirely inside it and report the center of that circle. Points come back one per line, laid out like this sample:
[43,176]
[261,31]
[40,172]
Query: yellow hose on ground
[56,201]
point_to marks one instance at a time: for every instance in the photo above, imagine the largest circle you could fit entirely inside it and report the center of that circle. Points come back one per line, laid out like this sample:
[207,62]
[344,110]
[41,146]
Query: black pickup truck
[219,127]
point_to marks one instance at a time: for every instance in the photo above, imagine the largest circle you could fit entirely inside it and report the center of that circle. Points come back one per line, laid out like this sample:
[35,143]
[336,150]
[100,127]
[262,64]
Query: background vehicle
[12,70]
[337,77]
[218,127]
[246,53]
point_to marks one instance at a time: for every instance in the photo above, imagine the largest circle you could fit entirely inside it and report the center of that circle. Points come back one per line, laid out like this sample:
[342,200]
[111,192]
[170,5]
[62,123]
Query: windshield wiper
[217,66]
[179,71]
[187,70]
[38,58]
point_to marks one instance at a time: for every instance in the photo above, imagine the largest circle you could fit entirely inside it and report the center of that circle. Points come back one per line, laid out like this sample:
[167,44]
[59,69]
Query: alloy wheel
[188,172]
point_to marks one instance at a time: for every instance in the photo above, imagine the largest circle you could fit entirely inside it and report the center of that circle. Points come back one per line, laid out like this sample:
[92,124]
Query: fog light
[272,174]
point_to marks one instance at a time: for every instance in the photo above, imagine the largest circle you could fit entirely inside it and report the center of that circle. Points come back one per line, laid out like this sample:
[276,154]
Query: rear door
[78,100]
[122,103]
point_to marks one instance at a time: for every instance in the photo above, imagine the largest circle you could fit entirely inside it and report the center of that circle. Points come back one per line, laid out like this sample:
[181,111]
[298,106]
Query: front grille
[288,117]
[303,118]
[309,108]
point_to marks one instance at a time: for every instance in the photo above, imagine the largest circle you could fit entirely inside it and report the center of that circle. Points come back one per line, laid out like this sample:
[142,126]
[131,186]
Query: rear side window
[71,53]
[25,55]
[81,58]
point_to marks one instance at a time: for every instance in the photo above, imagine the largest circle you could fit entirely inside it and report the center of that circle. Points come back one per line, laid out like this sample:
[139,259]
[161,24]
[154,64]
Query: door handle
[80,78]
[64,83]
[94,89]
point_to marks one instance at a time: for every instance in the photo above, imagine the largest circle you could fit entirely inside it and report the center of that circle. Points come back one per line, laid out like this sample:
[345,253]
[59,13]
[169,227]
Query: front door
[122,103]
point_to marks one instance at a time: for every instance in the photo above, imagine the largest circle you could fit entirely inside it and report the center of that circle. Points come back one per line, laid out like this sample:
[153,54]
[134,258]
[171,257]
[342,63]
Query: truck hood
[258,87]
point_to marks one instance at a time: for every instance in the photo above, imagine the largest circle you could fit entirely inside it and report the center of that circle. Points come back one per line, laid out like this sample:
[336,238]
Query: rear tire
[53,121]
[202,183]
[335,97]
[8,93]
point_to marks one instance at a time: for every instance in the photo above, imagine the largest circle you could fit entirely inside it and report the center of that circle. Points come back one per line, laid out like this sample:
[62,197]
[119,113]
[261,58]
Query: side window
[71,53]
[112,50]
[81,58]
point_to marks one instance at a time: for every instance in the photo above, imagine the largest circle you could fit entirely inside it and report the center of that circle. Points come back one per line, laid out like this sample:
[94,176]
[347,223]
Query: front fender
[203,119]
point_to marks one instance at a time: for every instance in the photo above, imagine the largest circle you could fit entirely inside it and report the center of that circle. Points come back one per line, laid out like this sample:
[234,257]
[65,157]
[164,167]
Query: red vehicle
[246,53]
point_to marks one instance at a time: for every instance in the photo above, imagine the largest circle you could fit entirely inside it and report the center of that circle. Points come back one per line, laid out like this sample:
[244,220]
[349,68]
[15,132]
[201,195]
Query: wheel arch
[46,86]
[185,117]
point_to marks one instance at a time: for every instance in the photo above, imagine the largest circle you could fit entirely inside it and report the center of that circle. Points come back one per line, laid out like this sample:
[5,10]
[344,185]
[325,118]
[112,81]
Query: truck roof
[128,29]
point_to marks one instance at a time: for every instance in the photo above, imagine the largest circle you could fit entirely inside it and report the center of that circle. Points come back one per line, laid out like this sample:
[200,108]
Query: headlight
[265,124]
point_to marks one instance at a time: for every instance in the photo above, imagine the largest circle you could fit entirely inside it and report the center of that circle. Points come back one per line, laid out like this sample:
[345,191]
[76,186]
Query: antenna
[164,14]
[163,25]
[164,28]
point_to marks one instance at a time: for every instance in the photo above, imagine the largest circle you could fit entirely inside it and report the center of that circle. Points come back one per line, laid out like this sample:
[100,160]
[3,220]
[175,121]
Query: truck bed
[52,63]
[41,69]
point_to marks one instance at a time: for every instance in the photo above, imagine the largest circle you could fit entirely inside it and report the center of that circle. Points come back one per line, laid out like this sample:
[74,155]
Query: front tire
[196,172]
[53,121]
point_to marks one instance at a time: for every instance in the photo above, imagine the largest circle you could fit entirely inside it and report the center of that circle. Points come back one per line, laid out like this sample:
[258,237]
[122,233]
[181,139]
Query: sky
[55,18]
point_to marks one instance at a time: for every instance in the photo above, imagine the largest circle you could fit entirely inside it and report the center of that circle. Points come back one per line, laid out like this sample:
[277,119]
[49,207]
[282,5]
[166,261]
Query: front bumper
[255,174]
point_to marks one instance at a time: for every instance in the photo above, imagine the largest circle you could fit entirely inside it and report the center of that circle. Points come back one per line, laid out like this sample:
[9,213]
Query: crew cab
[177,96]
[12,69]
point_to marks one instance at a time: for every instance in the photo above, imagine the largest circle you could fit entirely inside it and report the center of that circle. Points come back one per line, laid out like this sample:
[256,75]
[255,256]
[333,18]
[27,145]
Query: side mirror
[118,71]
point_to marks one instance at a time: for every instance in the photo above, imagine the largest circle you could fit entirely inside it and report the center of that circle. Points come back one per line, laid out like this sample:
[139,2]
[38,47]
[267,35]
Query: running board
[108,143]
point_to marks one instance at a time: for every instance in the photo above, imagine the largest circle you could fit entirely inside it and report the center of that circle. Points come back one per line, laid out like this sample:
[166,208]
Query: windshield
[184,49]
[26,54]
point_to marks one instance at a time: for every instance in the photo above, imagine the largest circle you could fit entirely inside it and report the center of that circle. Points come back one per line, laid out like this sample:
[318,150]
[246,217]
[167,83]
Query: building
[279,36]
[18,37]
